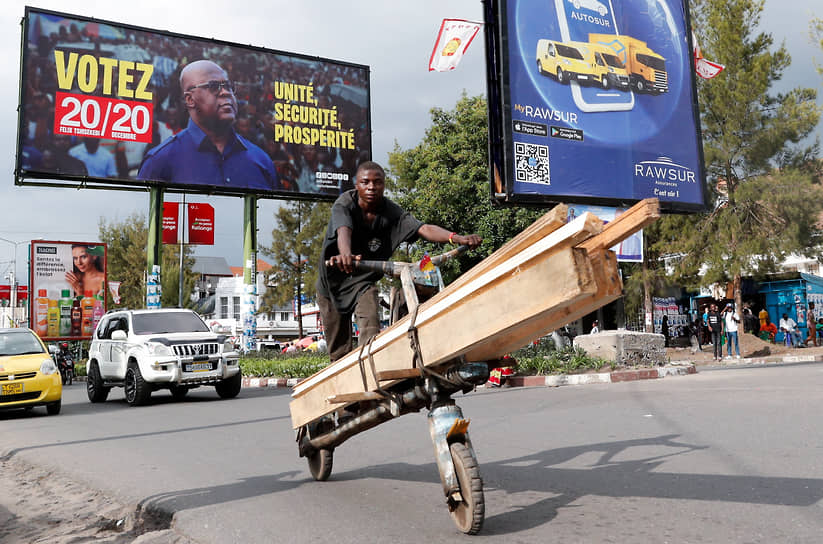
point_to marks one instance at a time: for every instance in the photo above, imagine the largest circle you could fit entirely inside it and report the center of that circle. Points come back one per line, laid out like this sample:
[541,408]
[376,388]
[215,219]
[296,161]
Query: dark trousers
[718,349]
[338,326]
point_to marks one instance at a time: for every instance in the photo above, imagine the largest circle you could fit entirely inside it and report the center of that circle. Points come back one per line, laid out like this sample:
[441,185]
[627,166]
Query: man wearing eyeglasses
[209,151]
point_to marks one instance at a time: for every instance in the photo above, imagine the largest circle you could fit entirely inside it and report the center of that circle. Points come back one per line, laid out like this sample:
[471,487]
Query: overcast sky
[394,39]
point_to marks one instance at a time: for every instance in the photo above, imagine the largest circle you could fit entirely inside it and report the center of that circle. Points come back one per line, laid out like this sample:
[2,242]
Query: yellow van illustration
[563,61]
[646,69]
[603,67]
[612,70]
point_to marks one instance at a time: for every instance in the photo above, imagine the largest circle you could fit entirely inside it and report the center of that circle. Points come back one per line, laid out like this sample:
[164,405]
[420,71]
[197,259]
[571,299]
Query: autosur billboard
[593,101]
[68,286]
[110,105]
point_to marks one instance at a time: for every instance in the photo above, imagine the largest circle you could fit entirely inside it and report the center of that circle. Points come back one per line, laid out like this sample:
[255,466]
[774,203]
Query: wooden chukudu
[549,275]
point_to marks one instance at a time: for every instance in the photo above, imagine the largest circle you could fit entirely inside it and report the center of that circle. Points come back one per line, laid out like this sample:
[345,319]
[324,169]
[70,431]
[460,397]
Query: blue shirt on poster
[189,157]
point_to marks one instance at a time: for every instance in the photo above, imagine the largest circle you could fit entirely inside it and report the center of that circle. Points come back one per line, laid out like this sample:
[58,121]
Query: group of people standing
[713,325]
[718,323]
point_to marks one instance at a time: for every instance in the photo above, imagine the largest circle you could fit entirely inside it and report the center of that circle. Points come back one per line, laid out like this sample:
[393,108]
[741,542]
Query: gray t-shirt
[376,242]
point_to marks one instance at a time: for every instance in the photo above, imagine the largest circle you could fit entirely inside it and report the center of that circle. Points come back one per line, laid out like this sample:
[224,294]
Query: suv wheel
[230,387]
[95,389]
[137,390]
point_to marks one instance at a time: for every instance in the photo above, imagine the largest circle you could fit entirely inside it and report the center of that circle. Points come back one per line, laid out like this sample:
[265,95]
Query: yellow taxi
[28,375]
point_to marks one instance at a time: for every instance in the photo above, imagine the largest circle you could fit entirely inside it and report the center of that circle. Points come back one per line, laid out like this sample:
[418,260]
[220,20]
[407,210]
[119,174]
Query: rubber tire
[561,77]
[540,69]
[230,387]
[95,389]
[70,374]
[604,82]
[640,86]
[54,408]
[137,390]
[470,513]
[320,464]
[178,392]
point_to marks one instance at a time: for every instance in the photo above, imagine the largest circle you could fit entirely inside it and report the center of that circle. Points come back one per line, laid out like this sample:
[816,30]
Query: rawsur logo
[664,170]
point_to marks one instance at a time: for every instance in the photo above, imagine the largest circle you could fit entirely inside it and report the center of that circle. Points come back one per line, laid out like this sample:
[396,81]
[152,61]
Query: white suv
[146,350]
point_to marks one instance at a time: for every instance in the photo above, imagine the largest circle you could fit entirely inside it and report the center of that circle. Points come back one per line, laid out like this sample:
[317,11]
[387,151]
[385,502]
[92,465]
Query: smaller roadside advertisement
[68,286]
[629,250]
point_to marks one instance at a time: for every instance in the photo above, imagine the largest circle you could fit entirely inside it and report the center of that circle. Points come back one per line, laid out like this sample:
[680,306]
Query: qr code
[531,163]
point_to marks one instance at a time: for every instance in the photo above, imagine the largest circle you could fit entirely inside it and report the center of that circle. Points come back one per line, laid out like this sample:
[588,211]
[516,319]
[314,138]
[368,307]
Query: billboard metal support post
[154,247]
[249,309]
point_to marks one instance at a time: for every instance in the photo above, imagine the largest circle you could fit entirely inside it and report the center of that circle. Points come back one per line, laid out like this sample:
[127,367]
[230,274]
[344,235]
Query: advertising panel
[593,101]
[112,105]
[68,285]
[201,224]
[629,250]
[170,212]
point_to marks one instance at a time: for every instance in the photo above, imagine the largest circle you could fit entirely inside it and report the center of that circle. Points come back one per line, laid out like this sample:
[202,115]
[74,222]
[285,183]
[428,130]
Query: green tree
[816,26]
[765,198]
[444,180]
[126,242]
[297,240]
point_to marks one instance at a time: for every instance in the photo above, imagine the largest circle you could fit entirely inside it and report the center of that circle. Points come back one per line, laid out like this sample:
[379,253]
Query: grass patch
[543,358]
[287,365]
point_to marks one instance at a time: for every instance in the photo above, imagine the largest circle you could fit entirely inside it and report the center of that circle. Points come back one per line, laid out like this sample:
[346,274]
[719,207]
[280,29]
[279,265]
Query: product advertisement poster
[595,103]
[629,250]
[68,285]
[110,105]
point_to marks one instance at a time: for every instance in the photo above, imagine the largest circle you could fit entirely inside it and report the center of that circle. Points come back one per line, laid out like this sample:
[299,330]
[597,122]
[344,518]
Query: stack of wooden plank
[549,275]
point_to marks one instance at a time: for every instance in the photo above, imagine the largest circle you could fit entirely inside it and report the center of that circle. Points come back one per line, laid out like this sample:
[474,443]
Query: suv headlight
[155,348]
[47,367]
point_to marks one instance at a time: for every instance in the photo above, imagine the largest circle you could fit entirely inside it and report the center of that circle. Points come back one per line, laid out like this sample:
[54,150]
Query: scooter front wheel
[468,514]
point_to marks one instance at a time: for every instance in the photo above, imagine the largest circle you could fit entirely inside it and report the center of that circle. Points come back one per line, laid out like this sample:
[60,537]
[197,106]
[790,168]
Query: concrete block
[627,348]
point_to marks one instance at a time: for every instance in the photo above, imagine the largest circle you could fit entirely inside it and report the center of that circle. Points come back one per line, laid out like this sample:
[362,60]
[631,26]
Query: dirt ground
[38,505]
[750,347]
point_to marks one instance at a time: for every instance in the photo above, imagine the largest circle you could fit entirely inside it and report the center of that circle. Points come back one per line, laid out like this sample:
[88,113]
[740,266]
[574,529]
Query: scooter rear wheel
[469,514]
[320,464]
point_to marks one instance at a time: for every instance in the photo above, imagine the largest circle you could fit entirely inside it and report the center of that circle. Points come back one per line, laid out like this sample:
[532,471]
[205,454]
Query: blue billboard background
[586,140]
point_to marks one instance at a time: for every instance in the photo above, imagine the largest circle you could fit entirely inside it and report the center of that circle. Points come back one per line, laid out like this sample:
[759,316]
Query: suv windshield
[19,343]
[165,322]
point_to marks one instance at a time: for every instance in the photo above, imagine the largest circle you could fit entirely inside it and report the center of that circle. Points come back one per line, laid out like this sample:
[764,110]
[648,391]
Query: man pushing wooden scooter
[550,274]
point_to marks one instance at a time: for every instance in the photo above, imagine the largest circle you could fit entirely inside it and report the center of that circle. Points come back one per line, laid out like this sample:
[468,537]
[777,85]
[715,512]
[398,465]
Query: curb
[270,382]
[533,381]
[602,377]
[787,359]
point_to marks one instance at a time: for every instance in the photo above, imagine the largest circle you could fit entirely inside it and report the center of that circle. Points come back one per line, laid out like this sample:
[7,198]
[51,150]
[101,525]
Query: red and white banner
[454,38]
[707,69]
[171,211]
[114,289]
[201,224]
[704,68]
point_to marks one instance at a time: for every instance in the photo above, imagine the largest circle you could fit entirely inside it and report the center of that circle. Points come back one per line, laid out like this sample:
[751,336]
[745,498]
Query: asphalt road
[722,456]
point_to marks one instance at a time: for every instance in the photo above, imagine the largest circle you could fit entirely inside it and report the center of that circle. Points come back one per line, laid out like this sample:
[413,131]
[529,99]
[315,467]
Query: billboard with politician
[111,105]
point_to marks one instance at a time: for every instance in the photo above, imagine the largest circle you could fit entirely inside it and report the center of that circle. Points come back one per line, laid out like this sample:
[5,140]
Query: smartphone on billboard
[605,83]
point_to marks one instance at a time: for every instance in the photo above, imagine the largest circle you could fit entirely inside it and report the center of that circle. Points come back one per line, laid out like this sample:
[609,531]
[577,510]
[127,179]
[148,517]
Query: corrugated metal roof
[211,266]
